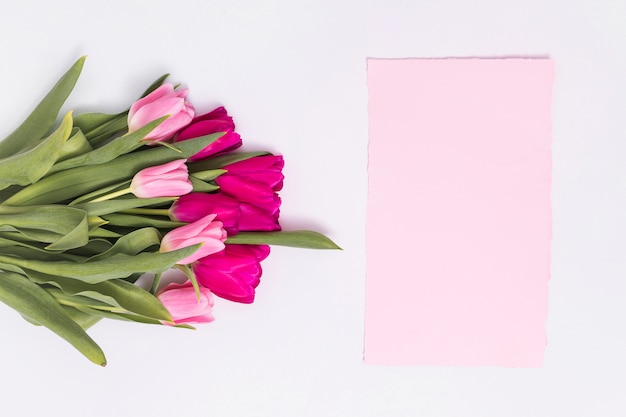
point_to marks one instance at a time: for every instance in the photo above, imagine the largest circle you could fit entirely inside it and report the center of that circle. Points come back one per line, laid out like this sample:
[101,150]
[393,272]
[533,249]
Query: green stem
[147,211]
[112,195]
[155,283]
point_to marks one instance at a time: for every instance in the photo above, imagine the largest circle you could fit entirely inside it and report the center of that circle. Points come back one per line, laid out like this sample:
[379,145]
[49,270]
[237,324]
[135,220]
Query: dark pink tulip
[215,121]
[234,273]
[261,219]
[183,305]
[194,206]
[161,102]
[234,215]
[254,180]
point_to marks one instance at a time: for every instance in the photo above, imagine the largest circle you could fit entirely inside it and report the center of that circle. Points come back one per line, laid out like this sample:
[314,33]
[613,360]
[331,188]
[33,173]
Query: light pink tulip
[183,304]
[167,180]
[206,231]
[164,101]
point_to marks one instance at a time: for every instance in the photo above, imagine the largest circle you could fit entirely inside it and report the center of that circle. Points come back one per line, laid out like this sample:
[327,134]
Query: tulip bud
[167,180]
[164,101]
[206,231]
[183,305]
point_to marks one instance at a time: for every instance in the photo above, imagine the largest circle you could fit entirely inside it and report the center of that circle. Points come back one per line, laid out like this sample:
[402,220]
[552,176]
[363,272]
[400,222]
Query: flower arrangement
[102,200]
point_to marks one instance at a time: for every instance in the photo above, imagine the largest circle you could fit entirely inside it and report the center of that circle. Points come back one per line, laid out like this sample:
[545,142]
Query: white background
[293,74]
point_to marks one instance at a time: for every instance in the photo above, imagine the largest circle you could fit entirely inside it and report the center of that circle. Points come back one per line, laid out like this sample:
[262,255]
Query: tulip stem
[155,283]
[112,195]
[147,211]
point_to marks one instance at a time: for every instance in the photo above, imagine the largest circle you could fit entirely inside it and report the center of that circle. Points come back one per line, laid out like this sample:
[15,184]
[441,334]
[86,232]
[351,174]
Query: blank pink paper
[458,216]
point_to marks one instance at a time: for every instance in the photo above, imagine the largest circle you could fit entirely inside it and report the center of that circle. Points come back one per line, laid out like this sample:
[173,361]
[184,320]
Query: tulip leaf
[32,301]
[118,146]
[74,182]
[131,317]
[298,239]
[76,145]
[61,226]
[12,246]
[41,120]
[200,186]
[100,208]
[221,161]
[156,84]
[90,121]
[29,166]
[117,266]
[100,232]
[208,175]
[83,319]
[131,220]
[132,243]
[116,293]
[104,132]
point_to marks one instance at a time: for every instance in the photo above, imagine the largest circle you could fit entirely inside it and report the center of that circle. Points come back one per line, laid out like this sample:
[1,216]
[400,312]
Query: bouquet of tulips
[93,206]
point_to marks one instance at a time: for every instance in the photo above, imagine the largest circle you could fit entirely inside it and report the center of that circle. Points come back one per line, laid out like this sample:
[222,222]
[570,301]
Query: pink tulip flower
[167,180]
[164,101]
[183,305]
[215,121]
[206,231]
[234,273]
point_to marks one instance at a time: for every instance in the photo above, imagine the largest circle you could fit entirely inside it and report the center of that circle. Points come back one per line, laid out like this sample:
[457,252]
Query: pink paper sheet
[458,217]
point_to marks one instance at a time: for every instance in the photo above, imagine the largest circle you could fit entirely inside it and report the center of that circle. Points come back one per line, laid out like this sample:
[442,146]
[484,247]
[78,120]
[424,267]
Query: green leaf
[298,239]
[74,182]
[131,220]
[116,293]
[12,246]
[90,121]
[100,208]
[130,317]
[29,166]
[132,243]
[32,301]
[117,266]
[76,145]
[118,146]
[104,132]
[223,160]
[200,186]
[156,84]
[83,319]
[61,226]
[41,120]
[208,175]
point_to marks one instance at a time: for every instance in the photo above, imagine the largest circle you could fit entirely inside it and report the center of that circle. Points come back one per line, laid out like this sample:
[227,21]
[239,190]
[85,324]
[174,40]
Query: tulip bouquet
[93,206]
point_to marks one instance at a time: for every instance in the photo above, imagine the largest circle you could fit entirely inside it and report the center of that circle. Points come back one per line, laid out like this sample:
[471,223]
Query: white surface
[293,75]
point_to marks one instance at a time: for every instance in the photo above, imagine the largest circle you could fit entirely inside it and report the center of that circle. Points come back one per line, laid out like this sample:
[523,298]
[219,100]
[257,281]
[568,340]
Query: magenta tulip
[194,206]
[215,121]
[234,273]
[167,180]
[254,180]
[183,305]
[164,101]
[234,215]
[206,231]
